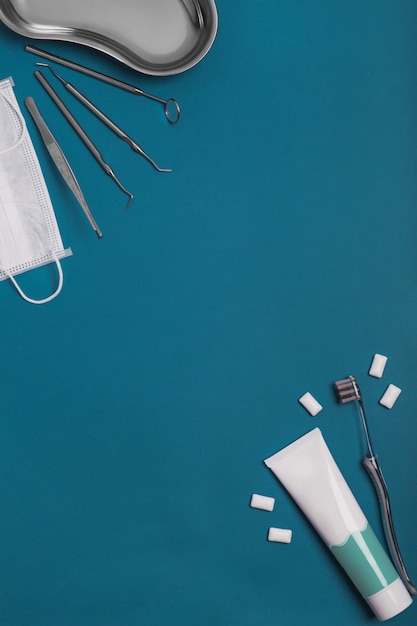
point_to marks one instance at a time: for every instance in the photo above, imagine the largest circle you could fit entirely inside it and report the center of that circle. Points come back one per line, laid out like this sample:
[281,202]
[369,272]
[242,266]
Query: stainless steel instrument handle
[171,107]
[374,470]
[71,119]
[110,124]
[81,133]
[103,117]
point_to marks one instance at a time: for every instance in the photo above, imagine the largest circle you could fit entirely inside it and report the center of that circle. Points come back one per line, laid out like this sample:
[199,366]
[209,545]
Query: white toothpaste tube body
[310,474]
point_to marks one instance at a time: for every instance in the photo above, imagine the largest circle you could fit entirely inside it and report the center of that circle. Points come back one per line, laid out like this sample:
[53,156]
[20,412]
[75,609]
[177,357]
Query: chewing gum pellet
[280,535]
[310,403]
[390,396]
[266,503]
[378,365]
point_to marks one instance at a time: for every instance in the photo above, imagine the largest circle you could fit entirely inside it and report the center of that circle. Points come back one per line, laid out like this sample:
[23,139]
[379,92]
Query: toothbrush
[347,390]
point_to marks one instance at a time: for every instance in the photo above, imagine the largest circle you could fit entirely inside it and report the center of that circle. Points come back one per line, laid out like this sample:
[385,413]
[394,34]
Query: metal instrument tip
[119,184]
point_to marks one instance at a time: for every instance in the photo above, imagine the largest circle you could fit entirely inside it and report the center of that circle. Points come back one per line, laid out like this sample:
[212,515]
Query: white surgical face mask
[29,233]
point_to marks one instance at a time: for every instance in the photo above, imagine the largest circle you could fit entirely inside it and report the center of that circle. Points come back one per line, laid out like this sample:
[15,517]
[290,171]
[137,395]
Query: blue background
[278,256]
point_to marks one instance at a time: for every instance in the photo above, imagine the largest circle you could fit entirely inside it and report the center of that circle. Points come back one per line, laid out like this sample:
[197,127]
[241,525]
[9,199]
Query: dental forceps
[171,107]
[104,118]
[81,133]
[60,161]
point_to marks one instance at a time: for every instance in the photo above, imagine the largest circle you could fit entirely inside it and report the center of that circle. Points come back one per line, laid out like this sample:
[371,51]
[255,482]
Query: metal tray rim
[117,50]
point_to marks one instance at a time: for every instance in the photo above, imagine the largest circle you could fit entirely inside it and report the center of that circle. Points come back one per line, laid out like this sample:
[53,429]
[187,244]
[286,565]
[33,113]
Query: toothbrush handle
[374,470]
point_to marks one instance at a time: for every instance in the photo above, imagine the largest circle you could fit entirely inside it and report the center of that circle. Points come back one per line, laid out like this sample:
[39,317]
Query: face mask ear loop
[49,298]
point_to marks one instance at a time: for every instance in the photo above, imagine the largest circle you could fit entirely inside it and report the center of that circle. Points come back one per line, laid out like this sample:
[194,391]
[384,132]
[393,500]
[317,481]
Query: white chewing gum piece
[378,365]
[310,404]
[390,396]
[266,503]
[280,535]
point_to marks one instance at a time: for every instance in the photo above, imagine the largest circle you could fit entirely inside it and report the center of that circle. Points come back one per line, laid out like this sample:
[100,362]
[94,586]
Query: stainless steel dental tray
[156,37]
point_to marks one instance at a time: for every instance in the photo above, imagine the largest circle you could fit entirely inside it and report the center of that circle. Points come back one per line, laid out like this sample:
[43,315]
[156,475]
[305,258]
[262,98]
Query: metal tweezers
[60,161]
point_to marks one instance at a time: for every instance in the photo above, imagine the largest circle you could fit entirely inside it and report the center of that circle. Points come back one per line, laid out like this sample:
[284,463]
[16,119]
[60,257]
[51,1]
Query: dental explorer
[81,133]
[60,161]
[171,107]
[104,118]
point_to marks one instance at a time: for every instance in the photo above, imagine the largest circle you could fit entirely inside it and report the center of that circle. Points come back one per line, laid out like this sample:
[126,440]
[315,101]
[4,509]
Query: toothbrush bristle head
[347,390]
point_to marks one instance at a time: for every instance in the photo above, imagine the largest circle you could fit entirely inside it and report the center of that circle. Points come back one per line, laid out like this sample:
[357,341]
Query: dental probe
[171,107]
[104,118]
[81,133]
